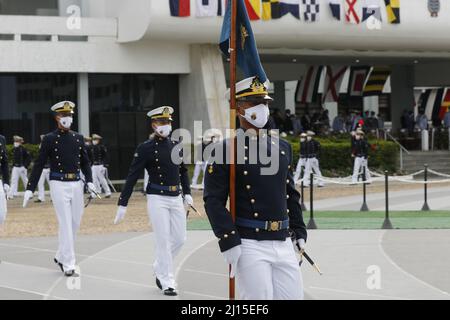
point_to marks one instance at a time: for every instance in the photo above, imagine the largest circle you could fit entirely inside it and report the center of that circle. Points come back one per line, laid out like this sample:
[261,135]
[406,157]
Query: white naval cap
[18,139]
[96,137]
[63,106]
[164,112]
[250,89]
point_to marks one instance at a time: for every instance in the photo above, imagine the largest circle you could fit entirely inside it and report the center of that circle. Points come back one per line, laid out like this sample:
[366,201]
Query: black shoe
[71,273]
[107,197]
[158,284]
[170,292]
[59,264]
[38,201]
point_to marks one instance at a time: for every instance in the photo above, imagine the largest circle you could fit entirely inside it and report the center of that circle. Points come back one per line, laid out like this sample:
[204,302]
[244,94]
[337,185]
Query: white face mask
[66,122]
[16,144]
[95,142]
[358,137]
[164,131]
[257,115]
[309,138]
[302,139]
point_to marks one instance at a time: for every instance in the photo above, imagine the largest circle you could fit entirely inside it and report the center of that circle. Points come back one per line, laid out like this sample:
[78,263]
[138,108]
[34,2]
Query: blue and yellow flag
[393,11]
[246,50]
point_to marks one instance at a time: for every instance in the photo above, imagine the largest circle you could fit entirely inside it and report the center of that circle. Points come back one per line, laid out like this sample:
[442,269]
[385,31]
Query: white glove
[6,188]
[91,187]
[231,257]
[188,201]
[120,215]
[299,243]
[26,197]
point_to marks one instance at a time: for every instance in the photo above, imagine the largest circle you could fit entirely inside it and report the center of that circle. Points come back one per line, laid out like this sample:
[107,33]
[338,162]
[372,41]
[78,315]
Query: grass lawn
[364,220]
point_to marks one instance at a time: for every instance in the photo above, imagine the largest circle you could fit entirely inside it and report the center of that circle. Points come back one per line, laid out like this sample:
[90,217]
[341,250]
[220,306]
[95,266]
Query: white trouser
[68,201]
[200,166]
[18,172]
[268,270]
[312,165]
[45,176]
[3,208]
[168,218]
[298,171]
[360,163]
[146,178]
[98,175]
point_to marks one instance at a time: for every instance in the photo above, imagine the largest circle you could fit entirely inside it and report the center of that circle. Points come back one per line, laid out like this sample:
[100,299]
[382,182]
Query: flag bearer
[258,244]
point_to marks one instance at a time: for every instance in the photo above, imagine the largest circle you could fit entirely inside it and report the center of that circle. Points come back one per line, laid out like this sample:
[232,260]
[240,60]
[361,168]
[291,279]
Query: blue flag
[246,51]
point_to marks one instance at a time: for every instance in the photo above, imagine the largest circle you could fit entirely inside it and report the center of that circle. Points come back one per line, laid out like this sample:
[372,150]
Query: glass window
[25,101]
[118,106]
[29,8]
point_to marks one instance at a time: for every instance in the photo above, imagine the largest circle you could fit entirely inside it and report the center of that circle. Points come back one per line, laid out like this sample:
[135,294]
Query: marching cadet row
[310,155]
[97,155]
[260,245]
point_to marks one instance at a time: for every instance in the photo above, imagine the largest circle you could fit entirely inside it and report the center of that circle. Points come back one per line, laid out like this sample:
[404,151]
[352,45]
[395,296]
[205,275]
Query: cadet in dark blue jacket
[258,245]
[168,182]
[21,161]
[67,154]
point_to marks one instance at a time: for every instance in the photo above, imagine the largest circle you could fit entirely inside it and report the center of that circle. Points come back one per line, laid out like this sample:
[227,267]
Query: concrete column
[83,104]
[402,93]
[202,92]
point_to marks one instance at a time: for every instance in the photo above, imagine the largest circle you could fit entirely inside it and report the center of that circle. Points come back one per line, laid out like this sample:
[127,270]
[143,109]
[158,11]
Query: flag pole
[233,126]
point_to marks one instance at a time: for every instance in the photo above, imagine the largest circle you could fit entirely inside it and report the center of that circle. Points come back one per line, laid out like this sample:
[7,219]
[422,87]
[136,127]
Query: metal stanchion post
[364,206]
[425,206]
[311,222]
[387,223]
[302,203]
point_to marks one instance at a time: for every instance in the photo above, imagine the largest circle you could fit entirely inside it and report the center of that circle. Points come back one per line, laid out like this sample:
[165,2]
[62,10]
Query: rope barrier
[439,173]
[378,177]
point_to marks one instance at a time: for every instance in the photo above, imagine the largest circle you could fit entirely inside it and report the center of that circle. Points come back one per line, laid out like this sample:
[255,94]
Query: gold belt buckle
[173,188]
[274,225]
[70,176]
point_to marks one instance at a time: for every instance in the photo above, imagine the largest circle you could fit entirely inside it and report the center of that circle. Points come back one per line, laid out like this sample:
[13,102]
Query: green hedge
[336,159]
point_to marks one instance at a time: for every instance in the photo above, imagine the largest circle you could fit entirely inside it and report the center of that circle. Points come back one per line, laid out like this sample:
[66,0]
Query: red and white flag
[333,82]
[358,77]
[352,11]
[308,87]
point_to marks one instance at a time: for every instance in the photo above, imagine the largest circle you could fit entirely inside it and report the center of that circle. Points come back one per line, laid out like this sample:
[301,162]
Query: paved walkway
[412,264]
